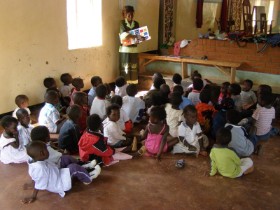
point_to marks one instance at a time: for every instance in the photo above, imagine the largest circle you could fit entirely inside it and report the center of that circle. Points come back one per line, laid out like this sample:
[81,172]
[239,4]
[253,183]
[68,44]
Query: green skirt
[129,65]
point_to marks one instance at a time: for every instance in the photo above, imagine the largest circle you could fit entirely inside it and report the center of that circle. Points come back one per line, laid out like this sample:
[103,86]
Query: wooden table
[227,68]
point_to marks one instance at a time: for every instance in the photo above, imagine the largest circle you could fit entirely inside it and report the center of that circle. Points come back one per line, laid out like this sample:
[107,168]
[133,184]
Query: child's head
[178,89]
[95,81]
[177,79]
[66,78]
[78,83]
[156,99]
[101,91]
[233,116]
[194,74]
[265,99]
[51,97]
[157,75]
[9,124]
[157,114]
[264,89]
[131,90]
[22,101]
[247,85]
[234,89]
[158,82]
[50,83]
[223,136]
[197,84]
[37,150]
[94,122]
[165,90]
[176,99]
[224,87]
[117,100]
[205,95]
[227,104]
[120,81]
[74,113]
[23,117]
[113,112]
[190,115]
[40,133]
[80,98]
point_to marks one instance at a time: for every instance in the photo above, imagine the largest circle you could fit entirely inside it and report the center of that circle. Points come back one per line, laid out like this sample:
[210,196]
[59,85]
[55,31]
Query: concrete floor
[144,183]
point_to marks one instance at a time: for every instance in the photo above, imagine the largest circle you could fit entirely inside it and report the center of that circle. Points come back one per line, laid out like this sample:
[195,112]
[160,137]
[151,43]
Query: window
[84,23]
[269,8]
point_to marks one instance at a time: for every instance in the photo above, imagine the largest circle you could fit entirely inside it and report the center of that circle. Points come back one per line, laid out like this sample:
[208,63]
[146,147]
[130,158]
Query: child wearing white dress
[174,114]
[47,176]
[121,86]
[24,127]
[10,150]
[134,107]
[112,130]
[197,87]
[100,103]
[22,102]
[191,139]
[49,116]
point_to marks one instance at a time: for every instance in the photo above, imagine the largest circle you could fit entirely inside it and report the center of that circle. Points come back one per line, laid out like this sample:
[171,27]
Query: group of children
[98,127]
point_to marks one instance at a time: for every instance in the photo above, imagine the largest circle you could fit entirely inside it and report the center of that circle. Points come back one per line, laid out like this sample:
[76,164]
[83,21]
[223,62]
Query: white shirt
[24,134]
[113,132]
[48,117]
[132,106]
[194,97]
[248,98]
[15,112]
[173,118]
[99,106]
[121,91]
[48,177]
[190,135]
[263,117]
[9,154]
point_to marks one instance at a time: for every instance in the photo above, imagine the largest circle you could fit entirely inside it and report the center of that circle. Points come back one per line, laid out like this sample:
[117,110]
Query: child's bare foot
[203,153]
[28,200]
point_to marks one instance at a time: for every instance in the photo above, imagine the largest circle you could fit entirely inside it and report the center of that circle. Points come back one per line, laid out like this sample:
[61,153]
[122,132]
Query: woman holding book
[128,49]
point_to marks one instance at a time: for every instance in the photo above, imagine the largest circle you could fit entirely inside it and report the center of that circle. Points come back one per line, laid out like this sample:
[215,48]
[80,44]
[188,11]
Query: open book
[142,34]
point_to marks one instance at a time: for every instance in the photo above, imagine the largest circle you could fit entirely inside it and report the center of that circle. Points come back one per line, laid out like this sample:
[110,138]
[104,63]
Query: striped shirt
[263,117]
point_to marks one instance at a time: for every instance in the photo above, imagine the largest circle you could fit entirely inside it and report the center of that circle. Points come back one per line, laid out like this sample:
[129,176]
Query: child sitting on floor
[191,139]
[124,121]
[69,134]
[173,113]
[93,145]
[66,88]
[248,97]
[95,81]
[24,127]
[121,85]
[197,87]
[234,91]
[47,176]
[241,142]
[224,92]
[155,76]
[78,84]
[185,100]
[134,107]
[225,161]
[176,79]
[156,134]
[112,130]
[49,116]
[205,111]
[10,150]
[22,102]
[100,103]
[164,92]
[80,99]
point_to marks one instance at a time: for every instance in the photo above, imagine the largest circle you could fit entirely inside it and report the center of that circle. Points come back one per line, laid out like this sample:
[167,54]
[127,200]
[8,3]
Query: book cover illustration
[142,34]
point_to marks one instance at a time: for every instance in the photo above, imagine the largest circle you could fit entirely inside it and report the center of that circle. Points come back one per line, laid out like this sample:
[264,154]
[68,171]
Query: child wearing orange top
[205,111]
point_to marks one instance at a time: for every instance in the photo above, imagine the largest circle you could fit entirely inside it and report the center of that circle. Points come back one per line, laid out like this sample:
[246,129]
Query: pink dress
[153,141]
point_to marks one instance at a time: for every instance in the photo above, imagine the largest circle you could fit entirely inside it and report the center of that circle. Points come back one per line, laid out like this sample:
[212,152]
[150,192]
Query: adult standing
[128,53]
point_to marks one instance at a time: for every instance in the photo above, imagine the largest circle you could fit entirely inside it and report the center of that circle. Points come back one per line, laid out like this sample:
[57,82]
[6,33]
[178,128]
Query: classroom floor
[144,183]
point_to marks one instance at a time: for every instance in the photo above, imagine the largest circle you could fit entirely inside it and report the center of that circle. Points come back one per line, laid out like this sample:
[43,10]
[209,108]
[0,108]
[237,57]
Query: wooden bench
[227,68]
